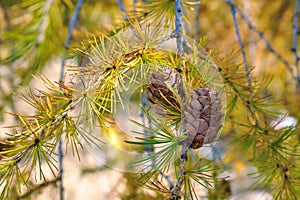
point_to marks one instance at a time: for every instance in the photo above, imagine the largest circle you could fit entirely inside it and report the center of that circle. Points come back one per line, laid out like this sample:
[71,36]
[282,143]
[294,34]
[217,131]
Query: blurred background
[32,37]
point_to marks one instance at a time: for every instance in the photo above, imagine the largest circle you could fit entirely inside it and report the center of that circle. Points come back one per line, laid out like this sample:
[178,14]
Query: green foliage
[109,65]
[36,39]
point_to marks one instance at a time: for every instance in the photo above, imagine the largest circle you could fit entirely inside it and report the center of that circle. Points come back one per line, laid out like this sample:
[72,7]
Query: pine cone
[203,117]
[202,113]
[162,86]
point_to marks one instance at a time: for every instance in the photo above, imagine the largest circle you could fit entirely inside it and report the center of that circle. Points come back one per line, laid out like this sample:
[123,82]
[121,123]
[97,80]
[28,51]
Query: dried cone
[202,113]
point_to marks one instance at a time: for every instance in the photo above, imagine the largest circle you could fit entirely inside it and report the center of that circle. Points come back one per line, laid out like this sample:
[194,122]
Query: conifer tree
[151,70]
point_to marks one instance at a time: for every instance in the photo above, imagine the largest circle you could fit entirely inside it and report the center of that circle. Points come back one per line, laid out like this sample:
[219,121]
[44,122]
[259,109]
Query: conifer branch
[46,127]
[71,26]
[171,186]
[122,8]
[181,176]
[178,26]
[268,44]
[179,39]
[295,40]
[193,157]
[148,147]
[233,13]
[134,5]
[61,170]
[38,187]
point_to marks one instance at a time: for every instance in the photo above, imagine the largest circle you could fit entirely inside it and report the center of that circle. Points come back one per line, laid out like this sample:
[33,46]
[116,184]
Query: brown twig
[38,187]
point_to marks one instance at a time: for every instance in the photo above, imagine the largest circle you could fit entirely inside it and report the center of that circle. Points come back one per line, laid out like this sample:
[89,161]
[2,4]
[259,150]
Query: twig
[179,40]
[267,43]
[122,8]
[233,12]
[295,41]
[177,189]
[60,176]
[178,25]
[193,157]
[134,5]
[38,187]
[168,180]
[71,26]
[148,148]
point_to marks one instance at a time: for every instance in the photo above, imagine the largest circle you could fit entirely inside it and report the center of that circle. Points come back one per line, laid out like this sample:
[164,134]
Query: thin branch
[37,187]
[134,5]
[148,148]
[233,12]
[122,8]
[60,176]
[183,159]
[71,26]
[193,157]
[267,43]
[295,40]
[171,186]
[178,25]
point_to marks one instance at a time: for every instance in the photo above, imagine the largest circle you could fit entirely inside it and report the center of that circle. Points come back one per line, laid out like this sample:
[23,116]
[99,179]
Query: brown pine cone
[202,111]
[203,117]
[162,86]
